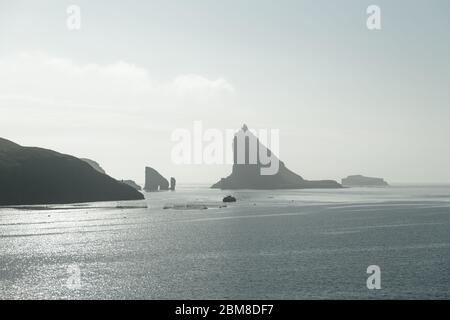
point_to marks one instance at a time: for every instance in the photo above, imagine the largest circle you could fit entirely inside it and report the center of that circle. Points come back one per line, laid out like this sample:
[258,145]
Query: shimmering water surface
[291,244]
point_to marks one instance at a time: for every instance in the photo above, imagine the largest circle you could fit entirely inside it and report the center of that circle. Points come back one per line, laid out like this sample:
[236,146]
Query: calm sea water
[294,244]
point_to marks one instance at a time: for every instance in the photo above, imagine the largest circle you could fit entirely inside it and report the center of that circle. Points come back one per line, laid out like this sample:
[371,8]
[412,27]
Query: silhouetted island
[32,175]
[247,174]
[132,184]
[154,181]
[361,181]
[97,167]
[94,165]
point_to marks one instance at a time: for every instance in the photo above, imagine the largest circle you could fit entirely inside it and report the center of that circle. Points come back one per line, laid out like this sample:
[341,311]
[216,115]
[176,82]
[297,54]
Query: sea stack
[31,176]
[173,183]
[247,168]
[154,181]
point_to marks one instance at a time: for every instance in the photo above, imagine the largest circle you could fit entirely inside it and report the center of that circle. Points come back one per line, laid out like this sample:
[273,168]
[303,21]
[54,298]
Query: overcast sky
[345,99]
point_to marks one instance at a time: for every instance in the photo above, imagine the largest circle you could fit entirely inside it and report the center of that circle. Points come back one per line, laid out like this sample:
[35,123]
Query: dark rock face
[154,181]
[247,175]
[229,199]
[132,184]
[94,165]
[32,176]
[173,183]
[361,181]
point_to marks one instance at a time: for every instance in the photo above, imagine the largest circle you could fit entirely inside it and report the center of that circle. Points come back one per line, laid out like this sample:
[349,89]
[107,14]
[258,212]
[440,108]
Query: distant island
[248,176]
[132,184]
[94,165]
[32,176]
[97,167]
[362,181]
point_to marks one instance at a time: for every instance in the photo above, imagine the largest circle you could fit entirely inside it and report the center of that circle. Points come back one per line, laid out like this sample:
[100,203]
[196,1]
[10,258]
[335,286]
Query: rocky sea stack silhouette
[32,176]
[247,174]
[154,181]
[173,183]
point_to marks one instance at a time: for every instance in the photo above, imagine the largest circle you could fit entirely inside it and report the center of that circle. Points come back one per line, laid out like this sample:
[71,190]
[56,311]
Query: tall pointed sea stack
[248,168]
[154,181]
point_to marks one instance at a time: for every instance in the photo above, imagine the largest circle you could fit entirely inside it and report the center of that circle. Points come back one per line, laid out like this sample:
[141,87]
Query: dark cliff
[30,175]
[154,181]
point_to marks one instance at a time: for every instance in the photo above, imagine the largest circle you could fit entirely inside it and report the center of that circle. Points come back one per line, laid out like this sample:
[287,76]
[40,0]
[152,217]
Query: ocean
[275,244]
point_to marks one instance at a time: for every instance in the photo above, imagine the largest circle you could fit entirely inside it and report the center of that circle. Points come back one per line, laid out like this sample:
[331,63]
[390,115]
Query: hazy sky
[346,100]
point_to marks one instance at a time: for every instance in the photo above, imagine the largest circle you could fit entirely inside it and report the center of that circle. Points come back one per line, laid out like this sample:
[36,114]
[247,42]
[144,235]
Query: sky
[345,99]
